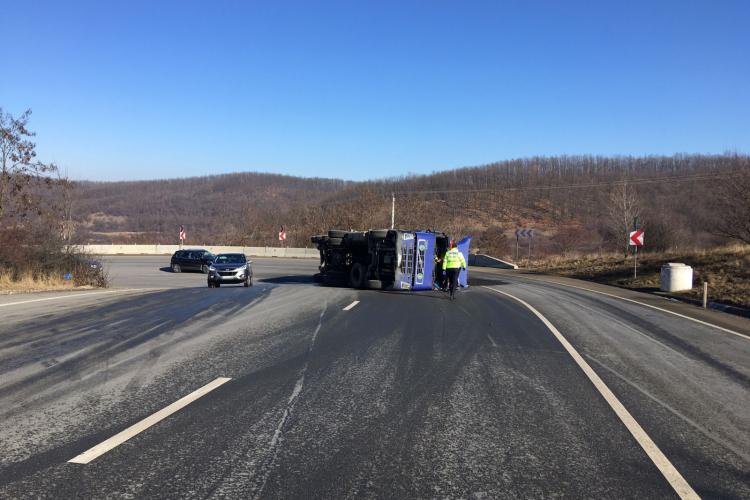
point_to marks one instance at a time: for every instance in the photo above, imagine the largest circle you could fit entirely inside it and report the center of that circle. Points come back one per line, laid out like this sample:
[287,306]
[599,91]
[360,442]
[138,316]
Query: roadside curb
[738,311]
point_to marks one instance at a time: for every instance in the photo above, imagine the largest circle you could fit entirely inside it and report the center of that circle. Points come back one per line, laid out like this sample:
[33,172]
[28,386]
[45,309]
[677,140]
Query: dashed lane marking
[116,440]
[670,473]
[351,306]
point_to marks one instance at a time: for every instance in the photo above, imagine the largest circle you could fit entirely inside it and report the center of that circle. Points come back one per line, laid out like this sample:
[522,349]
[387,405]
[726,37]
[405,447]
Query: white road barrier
[299,253]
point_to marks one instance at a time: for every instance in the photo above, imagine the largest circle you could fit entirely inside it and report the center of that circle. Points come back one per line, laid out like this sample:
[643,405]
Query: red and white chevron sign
[636,238]
[182,233]
[524,233]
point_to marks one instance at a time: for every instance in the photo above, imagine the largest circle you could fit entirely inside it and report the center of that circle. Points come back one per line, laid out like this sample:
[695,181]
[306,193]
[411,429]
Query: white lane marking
[670,473]
[116,440]
[492,340]
[351,306]
[73,295]
[674,411]
[727,330]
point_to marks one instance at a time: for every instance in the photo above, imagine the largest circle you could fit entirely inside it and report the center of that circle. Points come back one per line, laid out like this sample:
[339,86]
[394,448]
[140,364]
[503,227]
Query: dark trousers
[453,279]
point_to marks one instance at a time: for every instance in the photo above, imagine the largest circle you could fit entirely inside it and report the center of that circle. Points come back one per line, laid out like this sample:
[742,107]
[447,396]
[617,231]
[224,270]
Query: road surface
[318,392]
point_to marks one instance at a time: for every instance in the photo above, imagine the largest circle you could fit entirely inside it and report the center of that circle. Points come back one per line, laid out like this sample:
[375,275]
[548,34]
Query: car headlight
[211,268]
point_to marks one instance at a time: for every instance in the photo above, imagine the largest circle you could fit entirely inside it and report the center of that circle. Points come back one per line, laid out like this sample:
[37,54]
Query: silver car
[230,268]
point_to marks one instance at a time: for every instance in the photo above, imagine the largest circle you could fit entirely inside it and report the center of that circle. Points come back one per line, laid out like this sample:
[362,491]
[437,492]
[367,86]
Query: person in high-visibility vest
[453,262]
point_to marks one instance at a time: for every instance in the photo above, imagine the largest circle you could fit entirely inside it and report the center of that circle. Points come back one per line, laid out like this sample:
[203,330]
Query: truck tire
[335,242]
[379,234]
[336,233]
[374,284]
[357,275]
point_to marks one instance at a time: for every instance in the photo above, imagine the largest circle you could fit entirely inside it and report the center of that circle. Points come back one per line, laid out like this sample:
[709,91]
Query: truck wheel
[335,242]
[357,275]
[336,233]
[379,234]
[374,284]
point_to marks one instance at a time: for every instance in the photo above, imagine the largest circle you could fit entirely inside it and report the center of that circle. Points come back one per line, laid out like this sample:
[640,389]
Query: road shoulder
[715,318]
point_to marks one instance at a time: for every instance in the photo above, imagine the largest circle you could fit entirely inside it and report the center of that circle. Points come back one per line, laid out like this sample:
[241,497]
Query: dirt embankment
[726,269]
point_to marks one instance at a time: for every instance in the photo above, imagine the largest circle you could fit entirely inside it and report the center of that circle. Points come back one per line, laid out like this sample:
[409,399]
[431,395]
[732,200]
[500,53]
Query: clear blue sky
[353,89]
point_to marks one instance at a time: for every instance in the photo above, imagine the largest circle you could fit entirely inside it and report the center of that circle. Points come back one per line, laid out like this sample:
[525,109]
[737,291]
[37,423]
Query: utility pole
[393,209]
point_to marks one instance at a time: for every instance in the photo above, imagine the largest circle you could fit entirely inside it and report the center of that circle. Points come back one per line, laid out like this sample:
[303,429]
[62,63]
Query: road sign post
[525,233]
[182,235]
[635,239]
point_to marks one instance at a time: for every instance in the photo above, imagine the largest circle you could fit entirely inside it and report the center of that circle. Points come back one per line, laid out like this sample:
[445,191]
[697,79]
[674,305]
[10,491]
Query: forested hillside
[574,203]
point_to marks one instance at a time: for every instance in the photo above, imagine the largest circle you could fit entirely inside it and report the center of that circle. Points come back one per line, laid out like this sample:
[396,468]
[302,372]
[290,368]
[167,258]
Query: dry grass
[726,269]
[30,283]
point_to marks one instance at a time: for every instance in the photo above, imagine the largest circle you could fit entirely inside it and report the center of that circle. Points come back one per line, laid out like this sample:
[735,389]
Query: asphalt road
[400,395]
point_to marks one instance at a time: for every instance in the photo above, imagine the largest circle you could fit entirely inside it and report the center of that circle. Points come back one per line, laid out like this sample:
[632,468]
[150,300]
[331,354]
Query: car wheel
[335,242]
[176,268]
[210,285]
[379,234]
[204,269]
[246,283]
[336,233]
[217,285]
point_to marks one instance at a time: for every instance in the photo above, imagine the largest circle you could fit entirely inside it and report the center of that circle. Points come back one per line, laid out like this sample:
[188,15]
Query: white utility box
[676,277]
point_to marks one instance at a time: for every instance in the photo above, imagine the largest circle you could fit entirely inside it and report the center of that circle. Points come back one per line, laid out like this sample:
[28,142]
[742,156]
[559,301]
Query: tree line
[575,203]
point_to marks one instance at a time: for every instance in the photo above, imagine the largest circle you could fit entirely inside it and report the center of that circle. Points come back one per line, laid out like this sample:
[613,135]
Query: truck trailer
[384,258]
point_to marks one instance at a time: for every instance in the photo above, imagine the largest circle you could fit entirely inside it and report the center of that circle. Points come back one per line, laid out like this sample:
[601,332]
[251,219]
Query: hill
[574,203]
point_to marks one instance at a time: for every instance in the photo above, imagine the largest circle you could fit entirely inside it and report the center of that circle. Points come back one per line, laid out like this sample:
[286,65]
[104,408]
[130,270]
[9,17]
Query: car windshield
[230,258]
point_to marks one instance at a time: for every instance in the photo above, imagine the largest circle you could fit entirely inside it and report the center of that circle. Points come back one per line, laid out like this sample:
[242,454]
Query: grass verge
[29,283]
[726,269]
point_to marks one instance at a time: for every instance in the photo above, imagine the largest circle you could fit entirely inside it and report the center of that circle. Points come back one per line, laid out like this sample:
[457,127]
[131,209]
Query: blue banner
[463,247]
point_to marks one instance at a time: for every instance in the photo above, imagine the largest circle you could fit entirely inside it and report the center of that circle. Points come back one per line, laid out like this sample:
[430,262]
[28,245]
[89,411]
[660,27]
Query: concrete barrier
[481,260]
[297,253]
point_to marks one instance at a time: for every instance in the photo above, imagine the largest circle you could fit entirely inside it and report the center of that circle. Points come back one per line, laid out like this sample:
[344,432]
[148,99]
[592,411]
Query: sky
[124,90]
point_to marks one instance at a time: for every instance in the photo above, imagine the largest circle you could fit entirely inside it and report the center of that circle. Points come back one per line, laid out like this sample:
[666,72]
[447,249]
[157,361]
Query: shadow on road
[486,282]
[168,269]
[298,279]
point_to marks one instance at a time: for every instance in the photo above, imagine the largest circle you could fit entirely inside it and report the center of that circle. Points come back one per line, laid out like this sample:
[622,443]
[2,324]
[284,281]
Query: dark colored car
[230,268]
[195,259]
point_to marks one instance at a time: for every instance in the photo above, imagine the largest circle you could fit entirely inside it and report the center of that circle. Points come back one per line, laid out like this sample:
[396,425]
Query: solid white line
[351,306]
[727,330]
[672,475]
[494,344]
[116,440]
[72,295]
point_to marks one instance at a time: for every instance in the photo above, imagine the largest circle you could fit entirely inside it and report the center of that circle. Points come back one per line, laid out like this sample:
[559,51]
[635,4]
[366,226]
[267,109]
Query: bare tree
[733,210]
[622,210]
[19,168]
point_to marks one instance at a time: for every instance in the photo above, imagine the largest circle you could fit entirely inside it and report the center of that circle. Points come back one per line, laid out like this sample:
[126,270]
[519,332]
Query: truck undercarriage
[384,258]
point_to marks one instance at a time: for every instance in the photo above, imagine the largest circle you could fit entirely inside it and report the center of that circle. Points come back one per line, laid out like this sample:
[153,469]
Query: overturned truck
[384,258]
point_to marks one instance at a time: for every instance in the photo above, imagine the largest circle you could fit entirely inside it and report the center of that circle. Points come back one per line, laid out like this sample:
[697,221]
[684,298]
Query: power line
[633,181]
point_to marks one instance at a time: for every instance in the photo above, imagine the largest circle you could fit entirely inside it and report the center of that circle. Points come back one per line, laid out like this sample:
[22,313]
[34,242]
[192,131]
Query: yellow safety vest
[453,259]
